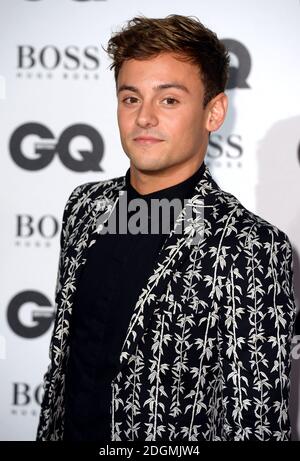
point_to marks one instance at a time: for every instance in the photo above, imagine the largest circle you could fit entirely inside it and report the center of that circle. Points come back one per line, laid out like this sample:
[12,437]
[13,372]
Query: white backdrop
[58,129]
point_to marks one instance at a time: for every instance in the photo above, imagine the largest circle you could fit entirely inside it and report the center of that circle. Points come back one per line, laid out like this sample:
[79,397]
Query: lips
[147,140]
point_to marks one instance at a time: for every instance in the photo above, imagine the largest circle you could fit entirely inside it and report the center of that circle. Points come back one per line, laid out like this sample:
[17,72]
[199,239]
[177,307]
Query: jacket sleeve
[45,410]
[257,322]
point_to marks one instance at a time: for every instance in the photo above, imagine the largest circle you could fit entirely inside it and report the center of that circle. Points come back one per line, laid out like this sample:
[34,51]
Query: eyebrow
[163,86]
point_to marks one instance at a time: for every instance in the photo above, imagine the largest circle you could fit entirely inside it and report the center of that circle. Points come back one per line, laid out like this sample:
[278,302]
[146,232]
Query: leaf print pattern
[207,350]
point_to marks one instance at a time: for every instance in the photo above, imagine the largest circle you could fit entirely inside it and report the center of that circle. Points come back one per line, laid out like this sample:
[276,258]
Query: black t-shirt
[117,268]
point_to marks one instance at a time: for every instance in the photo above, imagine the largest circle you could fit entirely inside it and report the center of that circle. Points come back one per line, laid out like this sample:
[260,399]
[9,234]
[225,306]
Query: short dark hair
[143,38]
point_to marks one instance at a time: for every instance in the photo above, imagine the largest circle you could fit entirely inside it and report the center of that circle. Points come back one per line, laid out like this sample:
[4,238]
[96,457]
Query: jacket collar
[182,190]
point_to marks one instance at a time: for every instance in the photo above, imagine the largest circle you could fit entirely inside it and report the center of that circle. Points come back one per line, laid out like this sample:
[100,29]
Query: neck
[146,182]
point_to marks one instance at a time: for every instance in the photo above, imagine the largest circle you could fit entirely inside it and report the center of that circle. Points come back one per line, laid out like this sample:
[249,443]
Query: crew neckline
[183,189]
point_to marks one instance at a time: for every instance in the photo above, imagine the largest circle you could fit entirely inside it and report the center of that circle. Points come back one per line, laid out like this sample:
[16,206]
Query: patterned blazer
[207,350]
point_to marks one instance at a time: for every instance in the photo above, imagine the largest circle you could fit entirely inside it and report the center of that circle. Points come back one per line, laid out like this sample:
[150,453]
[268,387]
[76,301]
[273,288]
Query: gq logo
[44,146]
[240,64]
[30,314]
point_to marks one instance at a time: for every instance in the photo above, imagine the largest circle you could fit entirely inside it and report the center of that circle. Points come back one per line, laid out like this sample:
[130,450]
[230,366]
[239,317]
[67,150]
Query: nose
[146,116]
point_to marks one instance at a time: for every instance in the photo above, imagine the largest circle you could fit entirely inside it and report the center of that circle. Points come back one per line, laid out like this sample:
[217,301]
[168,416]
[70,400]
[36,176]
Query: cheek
[188,131]
[122,122]
[125,121]
[193,123]
[180,127]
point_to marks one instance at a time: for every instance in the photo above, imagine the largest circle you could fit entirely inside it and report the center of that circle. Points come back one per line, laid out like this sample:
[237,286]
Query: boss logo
[24,394]
[46,226]
[35,231]
[223,148]
[50,57]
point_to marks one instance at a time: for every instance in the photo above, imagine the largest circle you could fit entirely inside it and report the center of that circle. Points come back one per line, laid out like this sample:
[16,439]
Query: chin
[145,163]
[148,167]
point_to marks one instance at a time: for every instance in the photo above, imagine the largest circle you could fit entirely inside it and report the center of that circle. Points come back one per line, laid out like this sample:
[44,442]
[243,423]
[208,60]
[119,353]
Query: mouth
[147,140]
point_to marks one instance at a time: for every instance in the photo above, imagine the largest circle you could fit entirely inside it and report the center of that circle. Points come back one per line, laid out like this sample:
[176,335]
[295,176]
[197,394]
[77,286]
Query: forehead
[158,70]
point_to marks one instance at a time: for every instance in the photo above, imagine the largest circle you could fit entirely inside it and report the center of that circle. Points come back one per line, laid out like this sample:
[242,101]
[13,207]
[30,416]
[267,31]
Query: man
[165,336]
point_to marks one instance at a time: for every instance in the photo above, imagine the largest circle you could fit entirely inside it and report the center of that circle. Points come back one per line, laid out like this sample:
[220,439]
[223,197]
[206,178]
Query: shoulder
[254,228]
[85,194]
[259,247]
[95,188]
[83,200]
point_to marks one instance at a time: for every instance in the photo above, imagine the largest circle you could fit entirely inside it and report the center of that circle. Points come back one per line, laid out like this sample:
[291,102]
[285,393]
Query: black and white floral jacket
[207,350]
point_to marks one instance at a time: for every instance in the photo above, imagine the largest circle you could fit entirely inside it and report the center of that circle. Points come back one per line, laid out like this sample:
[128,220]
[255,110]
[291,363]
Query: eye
[170,101]
[130,100]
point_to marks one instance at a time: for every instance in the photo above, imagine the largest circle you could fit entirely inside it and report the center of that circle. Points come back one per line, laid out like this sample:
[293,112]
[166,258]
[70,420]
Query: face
[162,123]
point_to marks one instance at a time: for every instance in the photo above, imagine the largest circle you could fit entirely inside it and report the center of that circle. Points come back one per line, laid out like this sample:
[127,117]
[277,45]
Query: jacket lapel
[200,208]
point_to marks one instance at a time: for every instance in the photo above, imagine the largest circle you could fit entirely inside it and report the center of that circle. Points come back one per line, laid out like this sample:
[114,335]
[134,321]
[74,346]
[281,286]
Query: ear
[216,112]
